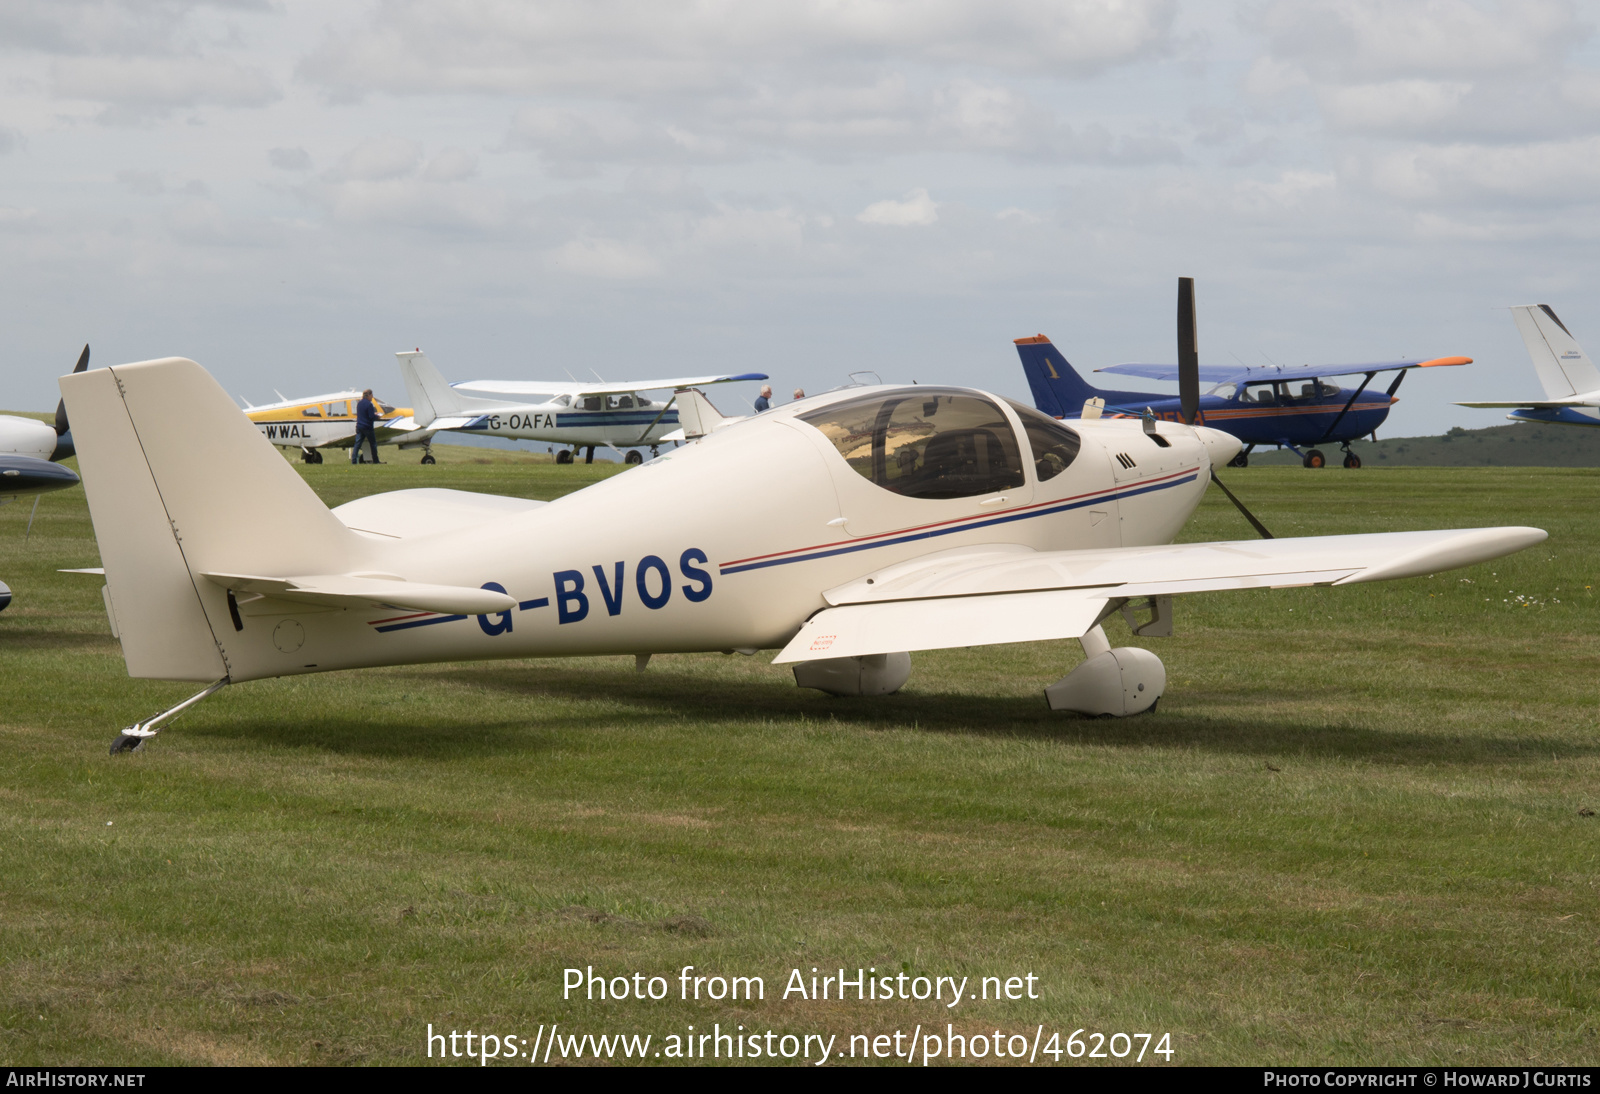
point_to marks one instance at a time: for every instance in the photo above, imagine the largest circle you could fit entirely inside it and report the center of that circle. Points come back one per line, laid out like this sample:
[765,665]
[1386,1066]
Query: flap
[350,591]
[858,630]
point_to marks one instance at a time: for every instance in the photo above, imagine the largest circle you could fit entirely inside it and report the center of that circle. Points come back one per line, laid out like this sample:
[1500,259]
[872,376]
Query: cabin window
[1224,391]
[929,444]
[311,412]
[1054,445]
[619,402]
[337,410]
[591,402]
[564,400]
[1260,393]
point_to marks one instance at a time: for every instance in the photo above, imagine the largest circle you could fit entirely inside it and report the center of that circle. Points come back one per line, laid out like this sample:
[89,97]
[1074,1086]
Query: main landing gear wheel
[310,455]
[1241,460]
[633,456]
[1352,461]
[1315,458]
[564,456]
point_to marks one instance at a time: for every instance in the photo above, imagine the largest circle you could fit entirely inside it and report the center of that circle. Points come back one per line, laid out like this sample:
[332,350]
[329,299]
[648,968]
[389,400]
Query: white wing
[599,387]
[984,596]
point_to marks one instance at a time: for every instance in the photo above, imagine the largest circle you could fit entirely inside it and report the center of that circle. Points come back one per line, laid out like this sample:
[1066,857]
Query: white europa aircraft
[1571,382]
[582,415]
[845,530]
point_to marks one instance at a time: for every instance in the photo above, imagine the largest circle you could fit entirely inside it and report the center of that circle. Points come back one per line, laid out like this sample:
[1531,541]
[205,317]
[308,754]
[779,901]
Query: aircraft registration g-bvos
[582,415]
[845,530]
[1570,381]
[329,421]
[1295,408]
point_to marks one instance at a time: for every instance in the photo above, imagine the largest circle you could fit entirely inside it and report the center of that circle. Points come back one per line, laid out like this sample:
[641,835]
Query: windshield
[1054,445]
[928,444]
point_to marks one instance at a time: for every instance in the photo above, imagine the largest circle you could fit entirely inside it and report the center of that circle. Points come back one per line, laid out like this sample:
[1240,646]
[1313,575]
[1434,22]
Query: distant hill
[1512,445]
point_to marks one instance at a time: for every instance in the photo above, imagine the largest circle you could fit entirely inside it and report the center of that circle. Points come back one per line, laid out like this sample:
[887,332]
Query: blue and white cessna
[577,414]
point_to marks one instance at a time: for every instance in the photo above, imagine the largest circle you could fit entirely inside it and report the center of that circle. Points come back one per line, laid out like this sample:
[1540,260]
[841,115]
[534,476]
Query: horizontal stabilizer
[1538,404]
[348,591]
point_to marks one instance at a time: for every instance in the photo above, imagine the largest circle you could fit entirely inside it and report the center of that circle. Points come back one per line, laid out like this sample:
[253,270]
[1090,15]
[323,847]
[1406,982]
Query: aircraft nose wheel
[1241,460]
[1352,461]
[633,457]
[429,459]
[564,456]
[1315,458]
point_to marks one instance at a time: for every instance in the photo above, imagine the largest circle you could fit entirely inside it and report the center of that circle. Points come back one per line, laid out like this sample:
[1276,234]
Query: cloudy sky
[288,192]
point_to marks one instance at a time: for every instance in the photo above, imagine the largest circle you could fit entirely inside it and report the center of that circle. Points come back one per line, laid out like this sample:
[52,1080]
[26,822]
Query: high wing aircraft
[845,530]
[1296,408]
[1570,381]
[581,415]
[329,421]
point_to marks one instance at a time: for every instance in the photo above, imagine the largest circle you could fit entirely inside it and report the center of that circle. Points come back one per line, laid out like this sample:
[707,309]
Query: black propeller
[1188,353]
[64,446]
[1189,384]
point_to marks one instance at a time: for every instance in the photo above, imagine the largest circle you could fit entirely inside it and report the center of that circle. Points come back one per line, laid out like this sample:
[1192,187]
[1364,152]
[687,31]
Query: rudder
[1057,388]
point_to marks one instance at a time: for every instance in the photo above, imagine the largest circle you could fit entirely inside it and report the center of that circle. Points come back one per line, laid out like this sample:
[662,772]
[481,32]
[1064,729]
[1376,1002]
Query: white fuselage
[726,543]
[619,421]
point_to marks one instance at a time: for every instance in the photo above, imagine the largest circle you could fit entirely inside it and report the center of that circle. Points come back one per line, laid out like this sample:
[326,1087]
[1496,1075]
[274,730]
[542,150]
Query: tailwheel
[633,457]
[564,456]
[1352,461]
[1315,458]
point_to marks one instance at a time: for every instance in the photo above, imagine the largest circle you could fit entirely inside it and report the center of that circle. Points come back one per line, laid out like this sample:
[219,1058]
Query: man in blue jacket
[366,420]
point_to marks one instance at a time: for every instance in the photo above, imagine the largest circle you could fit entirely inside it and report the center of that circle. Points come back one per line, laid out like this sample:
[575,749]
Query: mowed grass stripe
[313,869]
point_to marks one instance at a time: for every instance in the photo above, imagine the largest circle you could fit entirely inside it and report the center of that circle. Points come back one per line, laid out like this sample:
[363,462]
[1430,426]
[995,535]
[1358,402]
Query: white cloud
[609,259]
[289,159]
[624,48]
[915,210]
[138,88]
[451,165]
[377,159]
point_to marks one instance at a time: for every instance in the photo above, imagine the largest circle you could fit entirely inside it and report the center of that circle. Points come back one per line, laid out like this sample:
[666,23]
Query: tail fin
[1563,368]
[696,414]
[180,483]
[430,396]
[1057,389]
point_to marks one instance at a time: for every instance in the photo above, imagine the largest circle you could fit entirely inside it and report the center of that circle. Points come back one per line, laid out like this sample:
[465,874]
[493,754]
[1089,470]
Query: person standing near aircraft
[764,400]
[799,393]
[366,424]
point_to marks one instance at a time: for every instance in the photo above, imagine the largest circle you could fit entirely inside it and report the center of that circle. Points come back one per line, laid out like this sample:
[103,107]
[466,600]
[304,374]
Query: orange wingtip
[1035,340]
[1445,361]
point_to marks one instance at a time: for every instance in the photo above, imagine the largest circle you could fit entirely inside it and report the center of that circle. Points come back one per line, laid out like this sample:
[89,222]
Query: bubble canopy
[933,442]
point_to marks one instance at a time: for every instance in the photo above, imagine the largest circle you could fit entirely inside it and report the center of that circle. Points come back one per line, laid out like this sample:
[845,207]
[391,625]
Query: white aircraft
[1571,382]
[578,414]
[29,450]
[329,421]
[845,531]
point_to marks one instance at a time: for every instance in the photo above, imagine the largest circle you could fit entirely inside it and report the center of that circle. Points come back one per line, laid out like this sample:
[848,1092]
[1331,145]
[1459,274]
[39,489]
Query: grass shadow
[660,700]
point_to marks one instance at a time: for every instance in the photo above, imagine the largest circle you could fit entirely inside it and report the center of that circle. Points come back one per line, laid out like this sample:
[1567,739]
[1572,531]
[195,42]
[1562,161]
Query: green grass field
[1354,832]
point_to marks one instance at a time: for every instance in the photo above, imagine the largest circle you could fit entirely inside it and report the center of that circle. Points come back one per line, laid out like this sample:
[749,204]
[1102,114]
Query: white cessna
[582,415]
[846,530]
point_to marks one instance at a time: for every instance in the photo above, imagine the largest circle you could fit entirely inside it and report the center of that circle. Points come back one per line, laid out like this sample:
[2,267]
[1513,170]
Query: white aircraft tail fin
[171,504]
[696,414]
[1563,368]
[431,397]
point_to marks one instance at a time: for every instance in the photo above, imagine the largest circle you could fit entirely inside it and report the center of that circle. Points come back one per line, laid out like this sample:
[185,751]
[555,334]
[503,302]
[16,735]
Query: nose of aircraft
[1220,446]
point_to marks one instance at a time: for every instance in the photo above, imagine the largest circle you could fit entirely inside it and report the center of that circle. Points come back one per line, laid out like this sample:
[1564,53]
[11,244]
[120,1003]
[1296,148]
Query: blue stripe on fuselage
[934,533]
